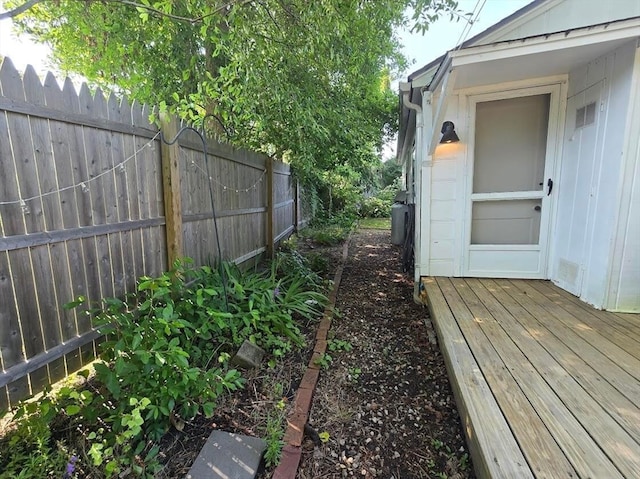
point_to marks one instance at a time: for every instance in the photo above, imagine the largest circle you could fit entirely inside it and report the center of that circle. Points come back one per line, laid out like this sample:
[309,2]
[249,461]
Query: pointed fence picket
[82,212]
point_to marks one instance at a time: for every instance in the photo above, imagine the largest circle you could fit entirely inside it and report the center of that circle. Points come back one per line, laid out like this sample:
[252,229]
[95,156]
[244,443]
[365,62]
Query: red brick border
[291,453]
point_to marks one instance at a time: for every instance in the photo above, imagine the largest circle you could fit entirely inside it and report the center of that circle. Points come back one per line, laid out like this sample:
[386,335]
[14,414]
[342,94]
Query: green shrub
[30,451]
[379,206]
[329,231]
[375,207]
[166,358]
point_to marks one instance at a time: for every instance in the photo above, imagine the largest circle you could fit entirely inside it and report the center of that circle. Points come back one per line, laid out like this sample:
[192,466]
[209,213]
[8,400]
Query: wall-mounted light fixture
[449,133]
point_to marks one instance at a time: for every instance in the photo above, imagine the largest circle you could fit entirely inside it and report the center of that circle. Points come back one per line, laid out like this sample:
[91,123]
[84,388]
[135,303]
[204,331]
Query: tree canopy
[305,81]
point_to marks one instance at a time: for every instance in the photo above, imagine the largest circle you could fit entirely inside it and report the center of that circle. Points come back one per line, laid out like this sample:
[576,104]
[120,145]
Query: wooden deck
[546,386]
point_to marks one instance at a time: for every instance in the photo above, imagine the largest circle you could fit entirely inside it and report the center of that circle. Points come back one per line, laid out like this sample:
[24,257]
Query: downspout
[414,182]
[406,89]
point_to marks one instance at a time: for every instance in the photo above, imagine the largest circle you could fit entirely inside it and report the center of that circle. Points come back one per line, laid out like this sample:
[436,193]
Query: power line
[469,25]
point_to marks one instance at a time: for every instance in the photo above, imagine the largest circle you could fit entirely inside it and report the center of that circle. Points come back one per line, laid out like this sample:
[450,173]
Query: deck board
[627,322]
[557,373]
[606,324]
[494,450]
[502,376]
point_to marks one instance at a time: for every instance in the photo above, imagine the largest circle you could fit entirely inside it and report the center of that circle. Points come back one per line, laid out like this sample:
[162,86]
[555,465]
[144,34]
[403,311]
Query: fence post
[296,206]
[270,209]
[171,188]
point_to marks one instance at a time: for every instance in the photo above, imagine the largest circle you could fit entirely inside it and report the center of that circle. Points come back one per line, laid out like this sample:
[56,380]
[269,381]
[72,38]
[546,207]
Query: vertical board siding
[82,213]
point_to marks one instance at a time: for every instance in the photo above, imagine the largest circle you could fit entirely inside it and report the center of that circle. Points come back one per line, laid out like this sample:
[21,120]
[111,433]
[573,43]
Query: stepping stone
[249,356]
[228,456]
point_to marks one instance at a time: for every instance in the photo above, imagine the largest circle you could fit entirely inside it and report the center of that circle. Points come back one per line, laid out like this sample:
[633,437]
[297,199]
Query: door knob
[537,208]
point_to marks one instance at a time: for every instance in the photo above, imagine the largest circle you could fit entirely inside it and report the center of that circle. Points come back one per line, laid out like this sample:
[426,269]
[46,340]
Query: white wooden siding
[624,286]
[590,177]
[560,15]
[445,201]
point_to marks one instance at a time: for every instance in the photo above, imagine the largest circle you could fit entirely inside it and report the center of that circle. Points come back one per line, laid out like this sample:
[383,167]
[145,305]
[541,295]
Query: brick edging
[294,435]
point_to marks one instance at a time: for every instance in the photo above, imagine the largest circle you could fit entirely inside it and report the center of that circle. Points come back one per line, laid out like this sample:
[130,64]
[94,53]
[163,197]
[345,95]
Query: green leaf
[75,303]
[73,409]
[159,358]
[167,312]
[137,339]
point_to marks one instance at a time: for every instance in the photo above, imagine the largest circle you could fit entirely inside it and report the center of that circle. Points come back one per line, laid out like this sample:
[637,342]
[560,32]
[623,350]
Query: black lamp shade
[449,133]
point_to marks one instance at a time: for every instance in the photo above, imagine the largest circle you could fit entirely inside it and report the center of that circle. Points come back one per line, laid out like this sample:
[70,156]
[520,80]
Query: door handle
[549,186]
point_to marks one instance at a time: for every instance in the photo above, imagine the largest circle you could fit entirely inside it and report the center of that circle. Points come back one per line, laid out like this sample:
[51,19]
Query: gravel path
[383,406]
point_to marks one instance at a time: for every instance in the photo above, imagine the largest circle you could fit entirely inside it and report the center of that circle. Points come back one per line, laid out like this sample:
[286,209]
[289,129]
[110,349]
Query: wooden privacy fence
[91,199]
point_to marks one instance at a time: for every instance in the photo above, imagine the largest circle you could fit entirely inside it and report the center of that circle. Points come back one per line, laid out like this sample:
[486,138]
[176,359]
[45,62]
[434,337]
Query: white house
[544,182]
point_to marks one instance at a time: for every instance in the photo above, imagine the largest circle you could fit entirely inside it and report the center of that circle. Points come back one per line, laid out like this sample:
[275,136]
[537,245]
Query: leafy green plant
[318,262]
[274,428]
[354,374]
[378,206]
[165,359]
[274,433]
[464,462]
[30,450]
[337,345]
[324,361]
[160,351]
[437,444]
[326,235]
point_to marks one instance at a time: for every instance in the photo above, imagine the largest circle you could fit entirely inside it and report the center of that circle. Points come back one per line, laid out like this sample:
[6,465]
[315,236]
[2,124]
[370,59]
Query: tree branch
[30,3]
[19,9]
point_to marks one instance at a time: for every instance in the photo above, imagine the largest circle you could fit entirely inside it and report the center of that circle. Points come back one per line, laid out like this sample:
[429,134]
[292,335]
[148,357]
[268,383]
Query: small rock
[249,356]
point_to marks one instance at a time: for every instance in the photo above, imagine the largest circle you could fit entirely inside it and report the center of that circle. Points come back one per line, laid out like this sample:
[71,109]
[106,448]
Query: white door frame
[556,88]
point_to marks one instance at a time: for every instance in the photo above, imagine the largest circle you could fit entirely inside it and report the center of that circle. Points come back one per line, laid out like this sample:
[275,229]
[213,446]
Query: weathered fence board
[82,212]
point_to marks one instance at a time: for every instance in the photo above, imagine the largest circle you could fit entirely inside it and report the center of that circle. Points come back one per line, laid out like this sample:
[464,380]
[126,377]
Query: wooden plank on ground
[587,365]
[631,321]
[494,451]
[607,365]
[522,352]
[605,323]
[501,361]
[619,321]
[614,441]
[593,331]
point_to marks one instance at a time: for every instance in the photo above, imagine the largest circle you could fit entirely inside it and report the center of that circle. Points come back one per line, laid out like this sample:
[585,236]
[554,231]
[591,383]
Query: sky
[445,35]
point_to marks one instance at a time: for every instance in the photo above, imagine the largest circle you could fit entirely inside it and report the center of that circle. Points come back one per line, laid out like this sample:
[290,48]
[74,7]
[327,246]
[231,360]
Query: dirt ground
[383,407]
[385,400]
